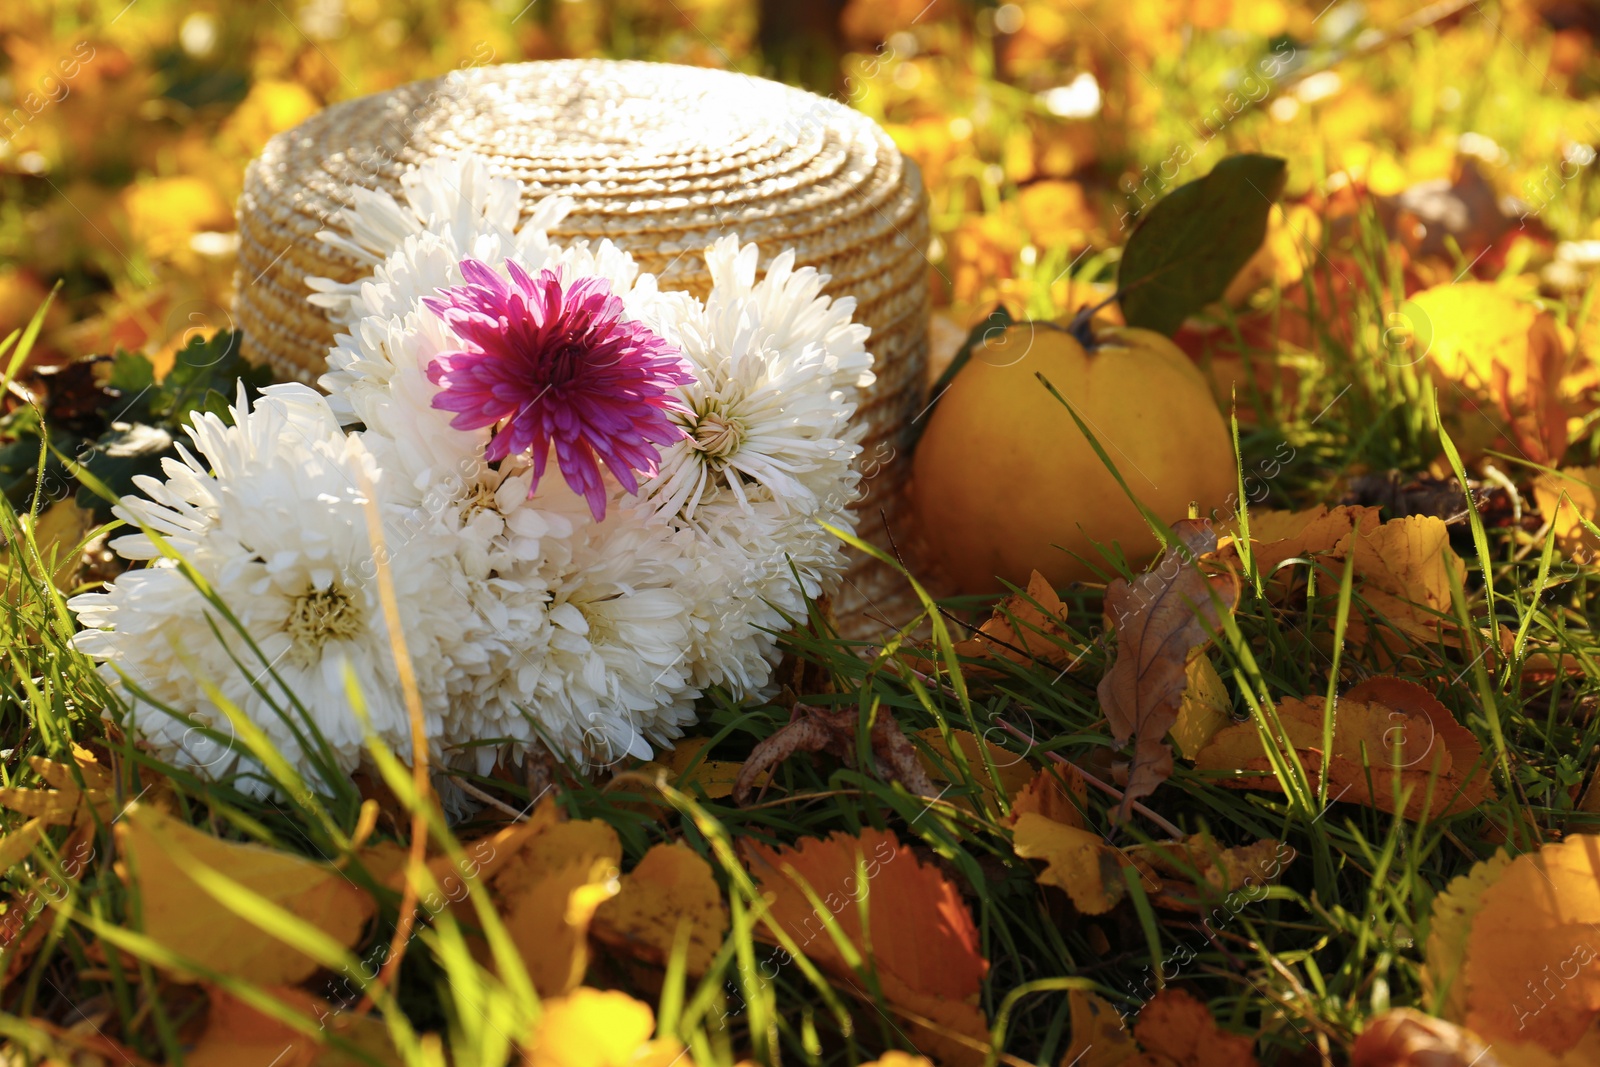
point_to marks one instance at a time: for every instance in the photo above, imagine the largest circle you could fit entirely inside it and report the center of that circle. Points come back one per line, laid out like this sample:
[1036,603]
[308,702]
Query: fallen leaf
[1099,1036]
[1407,1038]
[1176,1030]
[1162,620]
[672,885]
[1493,352]
[1580,488]
[1012,770]
[1205,708]
[814,729]
[65,803]
[599,1028]
[1057,792]
[1532,959]
[1197,869]
[924,945]
[548,892]
[1445,956]
[1029,630]
[1389,734]
[236,1033]
[1076,860]
[713,778]
[157,854]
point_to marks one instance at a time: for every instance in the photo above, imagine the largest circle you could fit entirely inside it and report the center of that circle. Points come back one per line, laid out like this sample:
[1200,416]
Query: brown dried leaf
[1376,723]
[814,729]
[1162,620]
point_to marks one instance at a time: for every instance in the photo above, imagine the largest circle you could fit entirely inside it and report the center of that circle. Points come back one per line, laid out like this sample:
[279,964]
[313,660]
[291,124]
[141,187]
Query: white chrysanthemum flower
[793,313]
[777,379]
[589,648]
[448,208]
[273,519]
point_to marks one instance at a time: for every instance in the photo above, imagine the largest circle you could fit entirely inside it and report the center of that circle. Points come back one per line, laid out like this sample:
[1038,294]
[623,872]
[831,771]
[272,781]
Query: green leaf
[1188,247]
[130,372]
[202,366]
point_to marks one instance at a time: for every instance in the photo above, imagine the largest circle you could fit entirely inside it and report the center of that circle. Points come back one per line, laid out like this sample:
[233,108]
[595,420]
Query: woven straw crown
[660,159]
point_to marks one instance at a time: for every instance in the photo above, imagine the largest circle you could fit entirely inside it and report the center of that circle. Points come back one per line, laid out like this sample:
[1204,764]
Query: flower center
[318,616]
[480,498]
[718,436]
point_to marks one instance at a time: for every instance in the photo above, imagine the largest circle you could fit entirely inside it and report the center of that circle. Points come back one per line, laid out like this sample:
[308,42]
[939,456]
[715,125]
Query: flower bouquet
[540,495]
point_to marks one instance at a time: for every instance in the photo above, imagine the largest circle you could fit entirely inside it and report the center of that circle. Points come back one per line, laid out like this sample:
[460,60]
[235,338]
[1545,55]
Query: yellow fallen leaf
[157,854]
[1076,860]
[20,843]
[1565,499]
[548,892]
[1445,956]
[1205,709]
[1057,792]
[671,885]
[714,778]
[599,1028]
[1490,349]
[1099,1037]
[1531,973]
[65,803]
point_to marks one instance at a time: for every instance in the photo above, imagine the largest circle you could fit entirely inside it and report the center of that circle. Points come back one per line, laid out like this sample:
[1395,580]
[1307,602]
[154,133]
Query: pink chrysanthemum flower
[552,364]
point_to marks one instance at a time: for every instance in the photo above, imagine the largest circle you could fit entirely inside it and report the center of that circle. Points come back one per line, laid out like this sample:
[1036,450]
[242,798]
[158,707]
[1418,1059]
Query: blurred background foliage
[1041,127]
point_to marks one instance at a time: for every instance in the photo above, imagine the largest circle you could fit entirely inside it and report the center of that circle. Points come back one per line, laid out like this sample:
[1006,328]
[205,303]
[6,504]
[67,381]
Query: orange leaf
[1027,630]
[236,1033]
[1388,733]
[671,885]
[158,852]
[1176,1026]
[921,931]
[1530,971]
[1162,620]
[1057,792]
[924,946]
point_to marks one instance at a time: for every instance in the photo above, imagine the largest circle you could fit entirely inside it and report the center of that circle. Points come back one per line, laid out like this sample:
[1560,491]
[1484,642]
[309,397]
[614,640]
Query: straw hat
[662,160]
